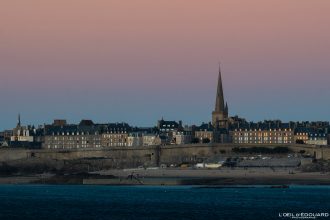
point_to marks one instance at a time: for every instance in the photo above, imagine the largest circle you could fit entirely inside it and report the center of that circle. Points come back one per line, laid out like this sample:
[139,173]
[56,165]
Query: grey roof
[88,129]
[205,127]
[172,124]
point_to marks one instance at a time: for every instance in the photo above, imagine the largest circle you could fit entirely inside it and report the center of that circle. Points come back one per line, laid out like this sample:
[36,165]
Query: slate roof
[205,127]
[168,124]
[87,129]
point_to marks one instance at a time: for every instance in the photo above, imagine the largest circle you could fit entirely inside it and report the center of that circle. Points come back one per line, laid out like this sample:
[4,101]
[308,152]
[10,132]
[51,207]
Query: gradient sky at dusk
[136,61]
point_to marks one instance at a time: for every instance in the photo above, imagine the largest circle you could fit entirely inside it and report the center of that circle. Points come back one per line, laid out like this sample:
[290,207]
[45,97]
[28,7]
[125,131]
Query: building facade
[72,137]
[22,133]
[60,135]
[115,135]
[317,138]
[205,133]
[151,140]
[301,135]
[269,136]
[182,137]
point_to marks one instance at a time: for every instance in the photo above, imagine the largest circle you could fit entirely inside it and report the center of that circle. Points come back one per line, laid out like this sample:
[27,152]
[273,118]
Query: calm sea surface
[142,202]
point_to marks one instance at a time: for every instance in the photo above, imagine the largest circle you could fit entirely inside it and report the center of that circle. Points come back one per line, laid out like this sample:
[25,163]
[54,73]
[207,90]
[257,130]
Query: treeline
[263,150]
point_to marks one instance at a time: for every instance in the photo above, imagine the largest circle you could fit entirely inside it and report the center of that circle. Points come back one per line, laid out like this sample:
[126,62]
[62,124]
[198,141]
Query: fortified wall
[124,157]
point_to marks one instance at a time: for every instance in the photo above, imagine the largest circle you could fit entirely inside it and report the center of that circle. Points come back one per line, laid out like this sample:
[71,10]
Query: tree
[195,141]
[300,141]
[206,140]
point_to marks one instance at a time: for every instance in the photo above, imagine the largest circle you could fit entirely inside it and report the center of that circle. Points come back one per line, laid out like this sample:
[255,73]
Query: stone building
[266,132]
[205,133]
[317,138]
[168,126]
[59,135]
[22,133]
[72,137]
[115,135]
[151,140]
[301,135]
[135,139]
[263,136]
[182,137]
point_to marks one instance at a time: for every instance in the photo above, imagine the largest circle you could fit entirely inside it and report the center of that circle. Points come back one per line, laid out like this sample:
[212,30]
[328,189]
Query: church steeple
[219,102]
[19,120]
[220,113]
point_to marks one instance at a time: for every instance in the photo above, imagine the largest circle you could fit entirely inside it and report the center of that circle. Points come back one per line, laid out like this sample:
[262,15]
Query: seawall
[121,157]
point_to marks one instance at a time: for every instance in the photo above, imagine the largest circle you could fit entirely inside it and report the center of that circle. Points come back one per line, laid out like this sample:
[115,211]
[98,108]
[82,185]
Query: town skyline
[222,129]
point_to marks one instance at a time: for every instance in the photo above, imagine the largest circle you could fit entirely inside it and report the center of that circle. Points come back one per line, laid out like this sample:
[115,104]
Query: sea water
[145,202]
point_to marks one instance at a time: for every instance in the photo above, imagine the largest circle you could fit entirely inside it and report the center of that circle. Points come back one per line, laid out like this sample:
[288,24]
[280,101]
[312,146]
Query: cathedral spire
[220,113]
[219,102]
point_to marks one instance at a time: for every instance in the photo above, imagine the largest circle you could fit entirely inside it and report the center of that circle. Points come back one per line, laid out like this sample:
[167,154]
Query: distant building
[168,126]
[59,122]
[167,131]
[115,135]
[6,134]
[236,122]
[301,135]
[205,133]
[151,140]
[72,137]
[135,139]
[182,137]
[317,138]
[262,136]
[22,133]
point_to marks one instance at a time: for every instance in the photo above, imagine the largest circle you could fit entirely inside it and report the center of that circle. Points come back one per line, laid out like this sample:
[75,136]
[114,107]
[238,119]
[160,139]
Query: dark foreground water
[134,202]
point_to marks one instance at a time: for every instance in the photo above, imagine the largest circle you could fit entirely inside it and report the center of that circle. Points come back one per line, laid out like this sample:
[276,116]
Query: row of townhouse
[122,135]
[90,135]
[260,136]
[275,132]
[86,134]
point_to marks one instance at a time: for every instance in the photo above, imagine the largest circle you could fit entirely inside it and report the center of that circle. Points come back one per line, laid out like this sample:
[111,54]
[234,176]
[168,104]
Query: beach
[156,176]
[257,176]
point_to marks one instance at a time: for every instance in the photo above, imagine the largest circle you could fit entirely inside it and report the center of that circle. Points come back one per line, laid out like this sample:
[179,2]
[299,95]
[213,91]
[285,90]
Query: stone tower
[220,113]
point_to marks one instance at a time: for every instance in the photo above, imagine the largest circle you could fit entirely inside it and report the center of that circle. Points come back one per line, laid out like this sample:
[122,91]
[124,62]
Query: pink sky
[139,59]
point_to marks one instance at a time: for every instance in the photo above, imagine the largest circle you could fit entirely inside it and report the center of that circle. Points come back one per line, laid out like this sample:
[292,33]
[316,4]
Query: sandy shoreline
[178,177]
[221,177]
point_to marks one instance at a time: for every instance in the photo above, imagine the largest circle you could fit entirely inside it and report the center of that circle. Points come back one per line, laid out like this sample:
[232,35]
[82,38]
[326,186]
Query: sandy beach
[227,176]
[218,177]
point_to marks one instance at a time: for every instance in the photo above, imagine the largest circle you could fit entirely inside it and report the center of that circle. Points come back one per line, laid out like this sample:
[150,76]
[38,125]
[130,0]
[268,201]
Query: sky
[139,61]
